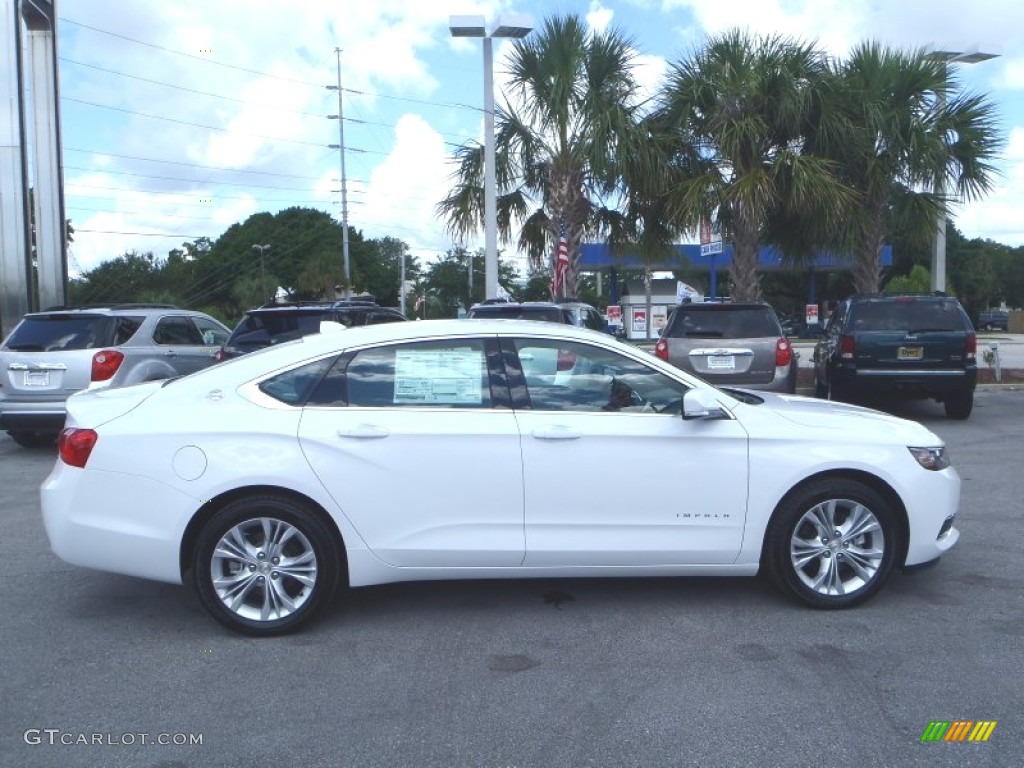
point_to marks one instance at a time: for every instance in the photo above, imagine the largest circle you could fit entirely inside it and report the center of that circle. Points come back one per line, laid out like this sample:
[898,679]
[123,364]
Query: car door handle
[170,353]
[556,433]
[365,432]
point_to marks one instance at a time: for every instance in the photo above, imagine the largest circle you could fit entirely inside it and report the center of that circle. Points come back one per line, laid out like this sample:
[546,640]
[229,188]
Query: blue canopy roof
[598,255]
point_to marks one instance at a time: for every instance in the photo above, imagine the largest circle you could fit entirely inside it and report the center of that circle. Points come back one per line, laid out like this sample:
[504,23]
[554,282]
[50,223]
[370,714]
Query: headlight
[933,458]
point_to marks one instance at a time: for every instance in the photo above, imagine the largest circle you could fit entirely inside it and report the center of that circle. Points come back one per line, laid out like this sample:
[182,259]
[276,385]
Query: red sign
[812,314]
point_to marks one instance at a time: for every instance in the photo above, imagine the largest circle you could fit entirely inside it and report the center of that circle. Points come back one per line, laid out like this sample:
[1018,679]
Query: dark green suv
[899,345]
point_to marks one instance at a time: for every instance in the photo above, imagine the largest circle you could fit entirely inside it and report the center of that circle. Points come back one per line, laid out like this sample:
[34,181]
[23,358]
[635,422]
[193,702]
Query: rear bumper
[32,417]
[922,383]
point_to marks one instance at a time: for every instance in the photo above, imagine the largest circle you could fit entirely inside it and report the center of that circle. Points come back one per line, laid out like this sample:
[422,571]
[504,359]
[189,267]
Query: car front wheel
[832,544]
[265,565]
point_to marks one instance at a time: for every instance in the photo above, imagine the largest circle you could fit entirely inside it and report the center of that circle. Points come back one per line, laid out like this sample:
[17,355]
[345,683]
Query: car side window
[592,319]
[177,330]
[435,374]
[294,386]
[126,328]
[569,376]
[211,333]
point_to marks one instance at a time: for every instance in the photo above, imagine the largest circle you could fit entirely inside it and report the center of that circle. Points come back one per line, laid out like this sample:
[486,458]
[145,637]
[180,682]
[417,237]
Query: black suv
[909,345]
[276,323]
[565,312]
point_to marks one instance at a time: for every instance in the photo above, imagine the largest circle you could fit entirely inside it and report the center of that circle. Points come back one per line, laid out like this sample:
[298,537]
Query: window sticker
[451,376]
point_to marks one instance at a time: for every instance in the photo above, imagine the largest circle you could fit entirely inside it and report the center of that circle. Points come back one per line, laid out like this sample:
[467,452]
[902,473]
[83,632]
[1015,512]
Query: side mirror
[701,404]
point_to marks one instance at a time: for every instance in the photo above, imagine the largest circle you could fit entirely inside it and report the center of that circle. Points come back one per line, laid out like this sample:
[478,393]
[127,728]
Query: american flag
[561,266]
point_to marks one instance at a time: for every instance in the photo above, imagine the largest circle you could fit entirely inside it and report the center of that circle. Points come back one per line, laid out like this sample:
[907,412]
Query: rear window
[58,332]
[723,322]
[263,328]
[499,312]
[907,314]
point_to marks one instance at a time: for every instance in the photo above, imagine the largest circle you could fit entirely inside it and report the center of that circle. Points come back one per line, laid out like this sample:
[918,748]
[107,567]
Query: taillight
[661,350]
[783,353]
[847,347]
[971,350]
[75,445]
[105,364]
[566,360]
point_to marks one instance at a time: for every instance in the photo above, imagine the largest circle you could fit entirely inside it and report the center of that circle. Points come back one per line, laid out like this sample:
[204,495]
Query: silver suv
[55,353]
[738,345]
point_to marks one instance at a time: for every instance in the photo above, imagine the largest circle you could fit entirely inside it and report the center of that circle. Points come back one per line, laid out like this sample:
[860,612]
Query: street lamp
[939,245]
[515,26]
[263,275]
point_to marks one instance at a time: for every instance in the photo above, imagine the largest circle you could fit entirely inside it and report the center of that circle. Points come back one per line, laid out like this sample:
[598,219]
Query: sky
[181,119]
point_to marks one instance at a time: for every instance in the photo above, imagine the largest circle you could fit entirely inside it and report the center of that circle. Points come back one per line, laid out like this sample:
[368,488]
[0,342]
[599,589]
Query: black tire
[959,405]
[795,534]
[33,439]
[291,602]
[820,388]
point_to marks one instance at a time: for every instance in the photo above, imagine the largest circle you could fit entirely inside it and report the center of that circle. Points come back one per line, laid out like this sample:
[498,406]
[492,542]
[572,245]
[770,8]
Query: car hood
[852,421]
[95,407]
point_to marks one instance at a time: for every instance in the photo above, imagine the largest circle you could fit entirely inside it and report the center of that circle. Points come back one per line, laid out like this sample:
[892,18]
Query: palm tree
[742,106]
[908,126]
[559,142]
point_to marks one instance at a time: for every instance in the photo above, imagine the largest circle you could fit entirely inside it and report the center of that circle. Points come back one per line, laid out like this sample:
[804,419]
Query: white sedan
[483,449]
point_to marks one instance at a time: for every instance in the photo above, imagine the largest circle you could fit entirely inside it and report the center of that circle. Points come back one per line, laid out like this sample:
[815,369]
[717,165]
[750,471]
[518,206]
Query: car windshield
[58,332]
[727,322]
[907,315]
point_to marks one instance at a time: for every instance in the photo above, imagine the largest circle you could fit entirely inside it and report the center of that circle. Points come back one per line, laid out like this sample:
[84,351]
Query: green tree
[908,125]
[918,281]
[561,146]
[740,108]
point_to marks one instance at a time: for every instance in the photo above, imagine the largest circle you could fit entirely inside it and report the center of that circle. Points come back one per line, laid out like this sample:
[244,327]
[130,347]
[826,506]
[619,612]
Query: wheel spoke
[861,522]
[284,586]
[804,551]
[864,561]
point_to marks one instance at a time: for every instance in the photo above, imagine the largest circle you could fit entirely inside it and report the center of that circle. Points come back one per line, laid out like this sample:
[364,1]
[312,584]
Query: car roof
[112,309]
[718,306]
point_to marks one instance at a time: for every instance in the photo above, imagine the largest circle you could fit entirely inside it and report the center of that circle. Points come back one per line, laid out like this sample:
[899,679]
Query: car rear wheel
[959,405]
[265,565]
[33,439]
[832,544]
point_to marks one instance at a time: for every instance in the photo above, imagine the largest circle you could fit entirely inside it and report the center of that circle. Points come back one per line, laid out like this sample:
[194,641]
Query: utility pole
[340,146]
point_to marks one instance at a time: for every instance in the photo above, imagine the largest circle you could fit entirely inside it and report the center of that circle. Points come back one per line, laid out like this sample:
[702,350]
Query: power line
[192,90]
[186,122]
[104,153]
[190,181]
[178,194]
[188,55]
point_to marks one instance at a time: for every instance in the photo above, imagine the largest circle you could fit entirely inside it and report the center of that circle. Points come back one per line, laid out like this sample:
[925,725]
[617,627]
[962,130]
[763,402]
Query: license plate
[721,363]
[910,353]
[37,378]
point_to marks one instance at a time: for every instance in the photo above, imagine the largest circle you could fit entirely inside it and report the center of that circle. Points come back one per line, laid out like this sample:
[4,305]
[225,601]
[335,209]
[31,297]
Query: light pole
[340,146]
[263,275]
[516,26]
[939,244]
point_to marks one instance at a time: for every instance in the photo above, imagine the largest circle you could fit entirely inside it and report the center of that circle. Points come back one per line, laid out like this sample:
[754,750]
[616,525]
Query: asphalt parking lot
[664,672]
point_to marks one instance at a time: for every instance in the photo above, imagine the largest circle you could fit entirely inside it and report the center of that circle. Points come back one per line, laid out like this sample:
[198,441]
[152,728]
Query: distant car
[899,345]
[575,313]
[277,323]
[994,320]
[732,344]
[432,450]
[51,354]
